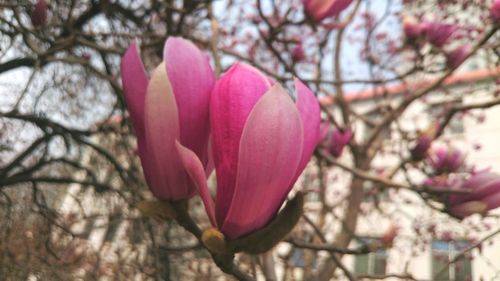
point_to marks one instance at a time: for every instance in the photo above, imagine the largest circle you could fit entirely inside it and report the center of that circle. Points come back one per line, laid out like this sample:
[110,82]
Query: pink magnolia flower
[39,14]
[335,140]
[261,142]
[495,10]
[412,29]
[321,9]
[446,160]
[298,53]
[419,151]
[171,106]
[424,142]
[438,33]
[456,57]
[485,196]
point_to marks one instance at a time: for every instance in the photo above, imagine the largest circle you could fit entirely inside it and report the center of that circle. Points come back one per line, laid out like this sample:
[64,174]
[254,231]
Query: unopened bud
[456,57]
[39,14]
[495,11]
[298,53]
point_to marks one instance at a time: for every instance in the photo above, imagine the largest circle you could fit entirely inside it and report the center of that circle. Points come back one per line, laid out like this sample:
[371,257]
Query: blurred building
[428,240]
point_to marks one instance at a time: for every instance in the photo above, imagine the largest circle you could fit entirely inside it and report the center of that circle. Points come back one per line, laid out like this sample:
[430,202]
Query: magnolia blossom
[321,9]
[446,160]
[424,141]
[484,196]
[298,53]
[412,28]
[438,33]
[39,14]
[495,10]
[422,145]
[172,106]
[457,56]
[261,142]
[336,139]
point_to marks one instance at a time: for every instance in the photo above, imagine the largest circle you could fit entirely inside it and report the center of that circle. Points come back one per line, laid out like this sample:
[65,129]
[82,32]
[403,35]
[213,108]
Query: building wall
[481,128]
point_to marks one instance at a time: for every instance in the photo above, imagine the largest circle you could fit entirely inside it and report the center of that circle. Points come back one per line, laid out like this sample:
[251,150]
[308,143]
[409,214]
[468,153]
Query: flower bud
[39,14]
[423,143]
[446,160]
[438,34]
[321,9]
[338,140]
[412,29]
[484,195]
[456,57]
[495,11]
[298,53]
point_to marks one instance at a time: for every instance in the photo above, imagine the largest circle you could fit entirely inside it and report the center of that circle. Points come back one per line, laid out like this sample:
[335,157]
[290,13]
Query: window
[442,253]
[372,263]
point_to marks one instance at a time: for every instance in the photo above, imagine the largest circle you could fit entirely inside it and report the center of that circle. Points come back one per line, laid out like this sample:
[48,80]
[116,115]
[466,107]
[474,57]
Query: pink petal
[321,9]
[192,80]
[482,184]
[337,7]
[168,178]
[135,83]
[493,201]
[439,33]
[495,10]
[488,189]
[325,129]
[39,14]
[456,57]
[195,169]
[270,151]
[308,107]
[233,97]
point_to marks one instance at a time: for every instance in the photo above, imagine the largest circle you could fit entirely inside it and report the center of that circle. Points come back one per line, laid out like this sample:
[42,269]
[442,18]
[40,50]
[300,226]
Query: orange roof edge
[458,78]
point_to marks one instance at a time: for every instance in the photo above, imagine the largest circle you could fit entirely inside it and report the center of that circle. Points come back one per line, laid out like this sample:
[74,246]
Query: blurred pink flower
[412,29]
[446,160]
[422,145]
[438,33]
[39,13]
[485,196]
[261,142]
[171,106]
[424,141]
[456,57]
[298,53]
[495,10]
[335,139]
[321,9]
